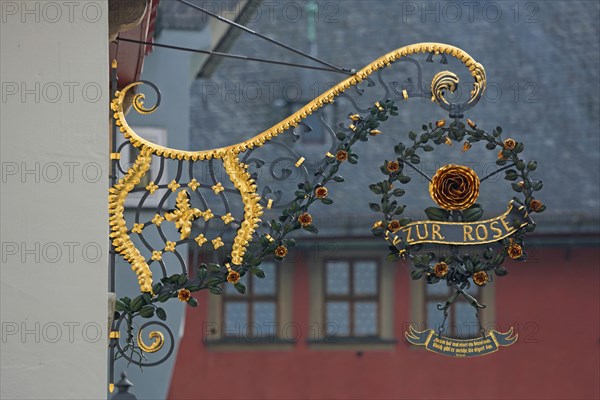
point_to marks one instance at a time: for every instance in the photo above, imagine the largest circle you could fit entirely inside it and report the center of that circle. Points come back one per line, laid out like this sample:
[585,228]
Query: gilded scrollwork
[156,345]
[252,209]
[116,206]
[184,214]
[476,70]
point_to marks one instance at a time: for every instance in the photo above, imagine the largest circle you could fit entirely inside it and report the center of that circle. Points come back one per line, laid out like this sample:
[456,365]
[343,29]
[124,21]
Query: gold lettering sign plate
[461,348]
[468,233]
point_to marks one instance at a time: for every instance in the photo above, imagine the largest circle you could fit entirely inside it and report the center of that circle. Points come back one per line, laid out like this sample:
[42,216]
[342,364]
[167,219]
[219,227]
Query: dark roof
[175,15]
[543,82]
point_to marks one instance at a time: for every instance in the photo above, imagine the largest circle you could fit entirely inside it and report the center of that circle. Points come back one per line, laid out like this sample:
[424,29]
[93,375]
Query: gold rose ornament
[454,187]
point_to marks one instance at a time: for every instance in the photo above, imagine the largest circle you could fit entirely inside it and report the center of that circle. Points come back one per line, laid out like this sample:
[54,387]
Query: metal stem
[417,170]
[235,56]
[496,171]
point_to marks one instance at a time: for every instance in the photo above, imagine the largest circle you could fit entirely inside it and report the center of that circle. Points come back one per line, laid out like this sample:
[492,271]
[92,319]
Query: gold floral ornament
[183,215]
[510,144]
[218,188]
[454,187]
[208,214]
[152,187]
[137,228]
[480,278]
[515,251]
[341,155]
[200,240]
[233,277]
[173,185]
[440,269]
[393,166]
[217,243]
[321,192]
[305,219]
[157,220]
[170,246]
[227,218]
[536,205]
[394,226]
[281,251]
[184,295]
[194,184]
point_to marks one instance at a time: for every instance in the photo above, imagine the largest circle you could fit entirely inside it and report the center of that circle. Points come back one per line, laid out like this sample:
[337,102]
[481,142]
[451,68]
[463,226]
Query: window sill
[245,344]
[353,343]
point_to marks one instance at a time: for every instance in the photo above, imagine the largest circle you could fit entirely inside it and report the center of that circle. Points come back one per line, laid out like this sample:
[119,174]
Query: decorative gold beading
[116,208]
[252,209]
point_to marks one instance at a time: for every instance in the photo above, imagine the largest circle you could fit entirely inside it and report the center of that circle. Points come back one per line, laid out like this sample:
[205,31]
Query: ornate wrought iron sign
[203,207]
[457,223]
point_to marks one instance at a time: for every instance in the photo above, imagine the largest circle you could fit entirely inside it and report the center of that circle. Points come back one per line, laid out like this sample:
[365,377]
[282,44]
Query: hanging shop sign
[195,210]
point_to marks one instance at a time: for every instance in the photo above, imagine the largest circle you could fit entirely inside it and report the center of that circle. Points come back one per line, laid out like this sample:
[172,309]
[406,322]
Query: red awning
[130,56]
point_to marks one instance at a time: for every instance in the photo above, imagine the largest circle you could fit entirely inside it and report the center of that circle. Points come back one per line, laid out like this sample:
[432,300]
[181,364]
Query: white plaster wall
[54,158]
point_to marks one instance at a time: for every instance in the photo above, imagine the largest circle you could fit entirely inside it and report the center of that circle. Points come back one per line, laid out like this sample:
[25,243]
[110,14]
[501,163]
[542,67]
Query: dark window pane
[265,286]
[264,318]
[434,316]
[465,320]
[365,277]
[236,318]
[338,318]
[365,318]
[338,277]
[437,289]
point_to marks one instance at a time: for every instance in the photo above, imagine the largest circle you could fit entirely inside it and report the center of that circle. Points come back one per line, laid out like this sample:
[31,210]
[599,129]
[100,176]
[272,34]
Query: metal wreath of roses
[457,224]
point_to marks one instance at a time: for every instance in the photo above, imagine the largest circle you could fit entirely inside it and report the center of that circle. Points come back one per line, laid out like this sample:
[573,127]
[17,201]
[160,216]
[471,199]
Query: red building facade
[551,301]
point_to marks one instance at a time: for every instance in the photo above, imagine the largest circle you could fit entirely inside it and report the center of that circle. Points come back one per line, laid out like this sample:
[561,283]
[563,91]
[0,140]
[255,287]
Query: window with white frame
[351,298]
[253,314]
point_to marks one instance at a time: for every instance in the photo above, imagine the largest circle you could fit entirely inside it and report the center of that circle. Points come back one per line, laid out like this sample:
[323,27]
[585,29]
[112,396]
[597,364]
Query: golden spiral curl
[448,81]
[156,345]
[138,105]
[454,187]
[442,81]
